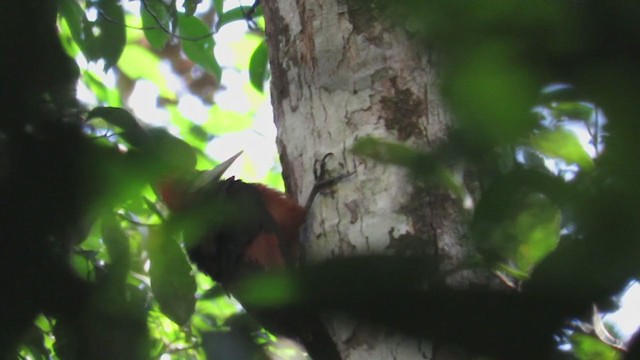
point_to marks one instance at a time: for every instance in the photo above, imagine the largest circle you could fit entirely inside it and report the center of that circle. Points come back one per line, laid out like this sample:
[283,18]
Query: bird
[233,230]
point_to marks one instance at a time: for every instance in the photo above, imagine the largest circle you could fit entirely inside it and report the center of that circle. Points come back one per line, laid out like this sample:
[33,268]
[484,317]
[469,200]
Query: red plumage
[233,229]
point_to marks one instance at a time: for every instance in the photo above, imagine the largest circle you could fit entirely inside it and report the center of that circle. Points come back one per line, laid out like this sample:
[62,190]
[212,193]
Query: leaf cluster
[163,25]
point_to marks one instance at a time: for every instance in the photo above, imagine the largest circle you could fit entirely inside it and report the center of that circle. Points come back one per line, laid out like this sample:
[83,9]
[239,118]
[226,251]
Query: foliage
[121,286]
[521,79]
[90,271]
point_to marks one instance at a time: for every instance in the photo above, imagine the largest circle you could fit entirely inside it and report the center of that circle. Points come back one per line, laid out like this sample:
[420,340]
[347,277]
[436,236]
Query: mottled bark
[339,74]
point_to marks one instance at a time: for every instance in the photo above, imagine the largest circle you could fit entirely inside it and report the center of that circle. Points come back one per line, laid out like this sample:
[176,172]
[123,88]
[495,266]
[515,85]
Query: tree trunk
[339,74]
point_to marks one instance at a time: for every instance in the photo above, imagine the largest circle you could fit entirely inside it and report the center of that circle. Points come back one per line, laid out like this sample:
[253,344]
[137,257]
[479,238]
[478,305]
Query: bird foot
[323,179]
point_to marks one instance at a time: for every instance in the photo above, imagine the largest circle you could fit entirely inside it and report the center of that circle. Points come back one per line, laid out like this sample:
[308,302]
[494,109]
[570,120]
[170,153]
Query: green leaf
[258,66]
[169,153]
[516,223]
[562,143]
[116,116]
[83,266]
[197,43]
[74,15]
[155,21]
[524,234]
[491,94]
[132,131]
[387,152]
[106,37]
[586,347]
[537,228]
[70,46]
[235,14]
[220,307]
[572,110]
[172,283]
[107,95]
[427,166]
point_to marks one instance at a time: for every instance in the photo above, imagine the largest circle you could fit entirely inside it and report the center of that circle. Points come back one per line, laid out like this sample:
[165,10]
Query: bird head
[177,191]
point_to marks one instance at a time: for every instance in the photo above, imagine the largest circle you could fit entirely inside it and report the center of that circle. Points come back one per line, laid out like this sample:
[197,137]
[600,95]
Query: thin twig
[159,22]
[160,25]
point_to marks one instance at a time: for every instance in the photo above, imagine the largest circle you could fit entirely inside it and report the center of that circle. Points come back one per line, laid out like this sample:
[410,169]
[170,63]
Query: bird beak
[214,174]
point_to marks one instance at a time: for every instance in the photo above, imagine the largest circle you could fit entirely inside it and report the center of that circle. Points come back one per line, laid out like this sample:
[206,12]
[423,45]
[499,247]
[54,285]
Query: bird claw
[322,178]
[320,167]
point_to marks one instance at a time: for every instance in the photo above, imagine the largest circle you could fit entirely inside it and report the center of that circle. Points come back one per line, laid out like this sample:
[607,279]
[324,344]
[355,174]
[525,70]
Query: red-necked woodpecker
[233,229]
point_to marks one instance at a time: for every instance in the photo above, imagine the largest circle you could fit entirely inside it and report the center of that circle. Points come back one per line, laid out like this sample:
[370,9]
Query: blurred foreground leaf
[172,283]
[562,143]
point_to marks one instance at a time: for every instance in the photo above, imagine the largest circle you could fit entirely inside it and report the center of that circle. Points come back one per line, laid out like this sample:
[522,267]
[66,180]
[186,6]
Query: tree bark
[339,74]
